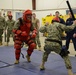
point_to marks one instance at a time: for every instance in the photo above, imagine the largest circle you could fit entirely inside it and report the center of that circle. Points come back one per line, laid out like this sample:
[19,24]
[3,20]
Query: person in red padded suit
[22,29]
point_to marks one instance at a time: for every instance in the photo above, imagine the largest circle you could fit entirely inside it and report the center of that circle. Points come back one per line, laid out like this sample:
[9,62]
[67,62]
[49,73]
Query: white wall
[16,4]
[53,4]
[22,4]
[4,4]
[40,4]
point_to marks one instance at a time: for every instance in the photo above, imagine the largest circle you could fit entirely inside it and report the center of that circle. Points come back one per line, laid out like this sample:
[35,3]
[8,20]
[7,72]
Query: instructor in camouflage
[36,24]
[53,42]
[9,26]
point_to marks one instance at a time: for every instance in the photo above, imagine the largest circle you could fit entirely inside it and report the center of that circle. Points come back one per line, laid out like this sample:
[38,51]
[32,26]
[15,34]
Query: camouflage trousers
[1,33]
[37,41]
[53,46]
[9,32]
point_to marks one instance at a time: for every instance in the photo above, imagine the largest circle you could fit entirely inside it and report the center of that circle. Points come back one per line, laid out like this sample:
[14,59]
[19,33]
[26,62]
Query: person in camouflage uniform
[36,24]
[2,27]
[53,42]
[9,26]
[46,34]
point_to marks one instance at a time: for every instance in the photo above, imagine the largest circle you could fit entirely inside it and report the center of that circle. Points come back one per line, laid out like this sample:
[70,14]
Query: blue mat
[7,54]
[52,69]
[2,64]
[13,70]
[54,66]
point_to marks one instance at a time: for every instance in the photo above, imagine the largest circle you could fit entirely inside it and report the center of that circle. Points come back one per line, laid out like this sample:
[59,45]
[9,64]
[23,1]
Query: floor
[54,65]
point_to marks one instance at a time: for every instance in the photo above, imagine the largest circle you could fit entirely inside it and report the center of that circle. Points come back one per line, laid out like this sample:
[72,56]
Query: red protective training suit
[23,35]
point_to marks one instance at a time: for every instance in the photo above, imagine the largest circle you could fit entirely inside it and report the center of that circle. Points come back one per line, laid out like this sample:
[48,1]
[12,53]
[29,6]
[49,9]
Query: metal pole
[70,9]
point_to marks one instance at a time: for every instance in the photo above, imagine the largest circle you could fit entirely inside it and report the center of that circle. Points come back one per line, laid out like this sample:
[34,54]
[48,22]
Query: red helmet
[25,13]
[56,19]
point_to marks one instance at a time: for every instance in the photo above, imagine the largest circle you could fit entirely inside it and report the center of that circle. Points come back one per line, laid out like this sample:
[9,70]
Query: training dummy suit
[22,29]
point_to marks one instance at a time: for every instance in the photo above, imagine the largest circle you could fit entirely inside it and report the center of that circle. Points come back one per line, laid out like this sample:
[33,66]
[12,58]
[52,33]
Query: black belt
[54,41]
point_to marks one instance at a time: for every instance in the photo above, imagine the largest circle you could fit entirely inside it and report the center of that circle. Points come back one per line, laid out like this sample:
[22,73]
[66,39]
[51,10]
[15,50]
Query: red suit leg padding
[17,47]
[31,48]
[17,54]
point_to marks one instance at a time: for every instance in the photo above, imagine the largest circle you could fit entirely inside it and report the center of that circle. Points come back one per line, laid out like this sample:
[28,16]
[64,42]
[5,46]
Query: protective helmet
[25,13]
[56,19]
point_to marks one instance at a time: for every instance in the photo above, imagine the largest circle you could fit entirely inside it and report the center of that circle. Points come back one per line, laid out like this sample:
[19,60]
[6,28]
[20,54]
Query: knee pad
[32,45]
[18,44]
[47,50]
[31,48]
[17,38]
[64,53]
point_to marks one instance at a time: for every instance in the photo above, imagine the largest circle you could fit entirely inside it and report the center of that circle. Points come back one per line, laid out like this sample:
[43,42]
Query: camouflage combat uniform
[2,27]
[9,27]
[54,33]
[37,40]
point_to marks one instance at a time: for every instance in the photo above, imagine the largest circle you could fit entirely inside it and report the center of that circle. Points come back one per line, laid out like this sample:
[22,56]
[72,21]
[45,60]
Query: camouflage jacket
[55,30]
[10,24]
[2,23]
[34,22]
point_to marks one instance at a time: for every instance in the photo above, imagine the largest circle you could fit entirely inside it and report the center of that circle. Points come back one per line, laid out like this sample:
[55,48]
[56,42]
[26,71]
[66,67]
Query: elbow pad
[18,32]
[35,31]
[33,35]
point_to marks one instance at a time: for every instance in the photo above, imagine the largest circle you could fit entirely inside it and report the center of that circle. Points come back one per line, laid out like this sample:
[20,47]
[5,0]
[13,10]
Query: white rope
[60,3]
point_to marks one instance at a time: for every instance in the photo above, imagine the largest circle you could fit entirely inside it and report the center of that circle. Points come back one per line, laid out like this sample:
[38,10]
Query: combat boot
[75,53]
[71,41]
[70,72]
[16,62]
[0,43]
[39,49]
[28,58]
[35,47]
[26,45]
[42,66]
[7,44]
